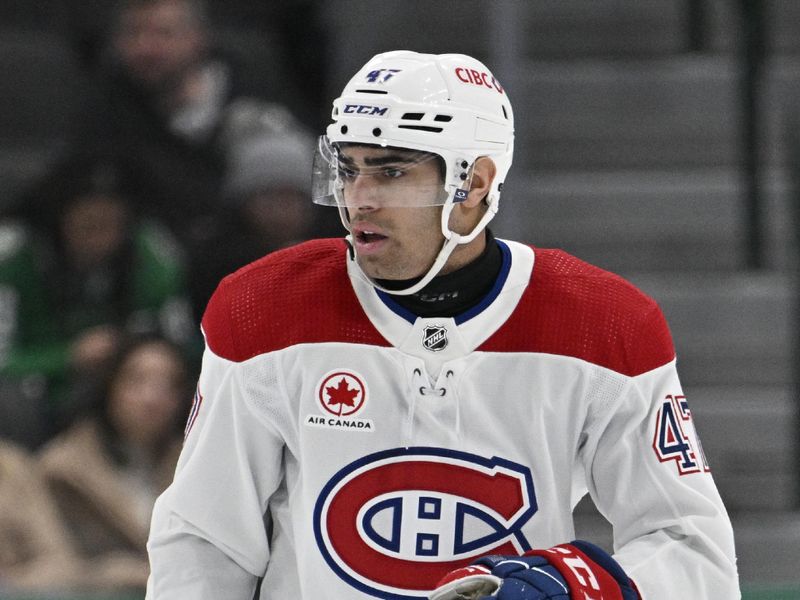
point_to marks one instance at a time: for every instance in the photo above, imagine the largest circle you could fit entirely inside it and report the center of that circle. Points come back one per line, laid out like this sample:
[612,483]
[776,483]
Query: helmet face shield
[359,175]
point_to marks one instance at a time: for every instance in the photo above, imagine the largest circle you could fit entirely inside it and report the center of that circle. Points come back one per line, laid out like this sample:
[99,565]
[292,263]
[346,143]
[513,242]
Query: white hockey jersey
[342,448]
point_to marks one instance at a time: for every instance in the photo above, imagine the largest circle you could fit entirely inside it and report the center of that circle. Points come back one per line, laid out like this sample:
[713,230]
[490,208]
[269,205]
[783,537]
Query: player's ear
[483,174]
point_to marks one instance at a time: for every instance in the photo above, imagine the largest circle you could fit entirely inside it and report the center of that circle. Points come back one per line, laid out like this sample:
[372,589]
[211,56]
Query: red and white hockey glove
[575,571]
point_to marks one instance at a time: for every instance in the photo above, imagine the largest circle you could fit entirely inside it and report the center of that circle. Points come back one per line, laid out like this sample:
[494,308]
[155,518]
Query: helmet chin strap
[452,239]
[441,259]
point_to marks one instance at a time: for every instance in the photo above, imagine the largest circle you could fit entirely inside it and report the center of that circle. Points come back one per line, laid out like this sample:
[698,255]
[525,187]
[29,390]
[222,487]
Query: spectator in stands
[35,552]
[107,469]
[85,272]
[171,98]
[267,206]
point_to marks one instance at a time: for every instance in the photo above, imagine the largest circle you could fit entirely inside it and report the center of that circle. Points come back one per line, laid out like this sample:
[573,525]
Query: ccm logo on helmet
[393,523]
[366,109]
[478,78]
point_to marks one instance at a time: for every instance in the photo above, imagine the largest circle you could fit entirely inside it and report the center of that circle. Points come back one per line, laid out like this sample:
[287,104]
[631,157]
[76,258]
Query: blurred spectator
[285,42]
[170,100]
[71,285]
[300,31]
[267,206]
[35,552]
[107,469]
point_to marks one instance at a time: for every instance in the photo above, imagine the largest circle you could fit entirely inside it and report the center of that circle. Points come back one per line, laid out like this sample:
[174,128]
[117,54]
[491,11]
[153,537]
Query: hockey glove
[575,571]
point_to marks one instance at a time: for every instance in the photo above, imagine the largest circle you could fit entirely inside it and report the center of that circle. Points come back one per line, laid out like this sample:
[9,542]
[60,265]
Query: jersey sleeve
[208,534]
[649,477]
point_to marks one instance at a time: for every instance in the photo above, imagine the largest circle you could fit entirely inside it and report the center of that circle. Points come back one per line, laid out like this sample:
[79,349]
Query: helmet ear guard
[449,105]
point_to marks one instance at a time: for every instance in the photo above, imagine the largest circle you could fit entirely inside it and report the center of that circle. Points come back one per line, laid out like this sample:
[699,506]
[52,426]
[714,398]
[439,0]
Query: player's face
[392,239]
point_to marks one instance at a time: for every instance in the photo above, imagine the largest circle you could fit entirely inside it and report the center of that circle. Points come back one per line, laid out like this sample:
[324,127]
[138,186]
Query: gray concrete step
[729,329]
[782,17]
[652,220]
[768,546]
[750,438]
[626,114]
[576,28]
[687,219]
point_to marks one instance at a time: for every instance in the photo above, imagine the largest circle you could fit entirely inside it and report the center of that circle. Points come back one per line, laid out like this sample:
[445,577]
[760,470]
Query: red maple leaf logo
[342,394]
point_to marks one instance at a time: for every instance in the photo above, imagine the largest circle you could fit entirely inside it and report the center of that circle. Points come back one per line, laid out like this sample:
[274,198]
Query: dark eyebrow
[386,159]
[378,161]
[343,158]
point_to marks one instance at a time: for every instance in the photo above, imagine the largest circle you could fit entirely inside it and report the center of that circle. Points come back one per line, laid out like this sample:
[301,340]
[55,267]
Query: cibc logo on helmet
[476,77]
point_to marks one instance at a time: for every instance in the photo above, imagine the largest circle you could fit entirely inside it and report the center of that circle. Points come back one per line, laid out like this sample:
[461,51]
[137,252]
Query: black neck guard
[452,294]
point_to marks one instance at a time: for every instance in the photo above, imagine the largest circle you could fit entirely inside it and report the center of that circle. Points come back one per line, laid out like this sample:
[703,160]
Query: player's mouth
[368,239]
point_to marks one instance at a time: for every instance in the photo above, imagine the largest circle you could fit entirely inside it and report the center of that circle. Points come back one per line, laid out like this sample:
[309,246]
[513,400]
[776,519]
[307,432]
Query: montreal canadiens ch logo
[391,524]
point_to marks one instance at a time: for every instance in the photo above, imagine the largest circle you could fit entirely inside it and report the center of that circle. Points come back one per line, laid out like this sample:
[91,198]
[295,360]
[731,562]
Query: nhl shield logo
[434,338]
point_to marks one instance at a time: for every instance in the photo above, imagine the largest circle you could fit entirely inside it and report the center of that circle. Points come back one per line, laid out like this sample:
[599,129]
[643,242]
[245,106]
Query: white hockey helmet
[448,105]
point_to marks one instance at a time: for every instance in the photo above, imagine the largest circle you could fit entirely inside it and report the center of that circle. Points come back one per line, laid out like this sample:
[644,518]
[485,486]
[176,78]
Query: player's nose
[362,194]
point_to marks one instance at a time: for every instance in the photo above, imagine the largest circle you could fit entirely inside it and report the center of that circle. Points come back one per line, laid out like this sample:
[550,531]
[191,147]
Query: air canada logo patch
[341,395]
[434,338]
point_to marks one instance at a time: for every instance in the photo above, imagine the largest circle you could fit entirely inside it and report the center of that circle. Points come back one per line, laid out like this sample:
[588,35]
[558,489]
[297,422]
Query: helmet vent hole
[505,114]
[344,129]
[372,91]
[443,118]
[376,132]
[413,116]
[421,128]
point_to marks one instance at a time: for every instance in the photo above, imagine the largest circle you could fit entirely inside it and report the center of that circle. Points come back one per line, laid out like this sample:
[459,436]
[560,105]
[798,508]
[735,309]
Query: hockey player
[375,413]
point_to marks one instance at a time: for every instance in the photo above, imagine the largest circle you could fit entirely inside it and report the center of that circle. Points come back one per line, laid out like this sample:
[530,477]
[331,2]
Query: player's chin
[374,267]
[381,267]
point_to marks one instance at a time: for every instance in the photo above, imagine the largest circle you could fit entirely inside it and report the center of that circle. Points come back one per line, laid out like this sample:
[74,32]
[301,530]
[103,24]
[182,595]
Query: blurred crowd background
[150,147]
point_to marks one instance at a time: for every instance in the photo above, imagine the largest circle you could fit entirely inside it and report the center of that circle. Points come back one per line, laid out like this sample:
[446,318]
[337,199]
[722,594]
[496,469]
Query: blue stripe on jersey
[395,307]
[505,269]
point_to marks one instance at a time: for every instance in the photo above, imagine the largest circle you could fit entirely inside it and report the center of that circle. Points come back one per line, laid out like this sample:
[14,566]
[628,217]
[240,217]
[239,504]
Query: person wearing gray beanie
[266,205]
[266,163]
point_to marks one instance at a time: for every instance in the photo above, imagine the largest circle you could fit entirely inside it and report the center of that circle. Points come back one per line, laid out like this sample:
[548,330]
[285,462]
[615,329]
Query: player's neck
[454,293]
